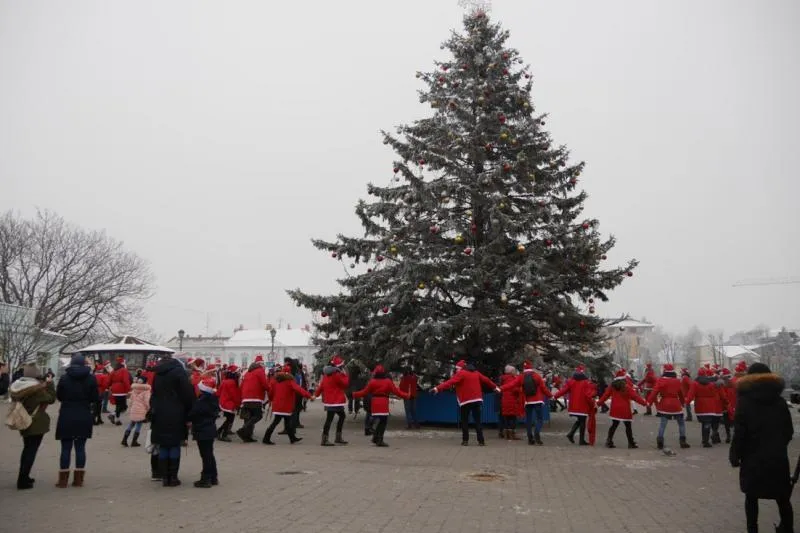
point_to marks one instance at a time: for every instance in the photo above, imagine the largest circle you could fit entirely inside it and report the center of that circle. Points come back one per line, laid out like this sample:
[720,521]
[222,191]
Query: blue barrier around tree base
[443,409]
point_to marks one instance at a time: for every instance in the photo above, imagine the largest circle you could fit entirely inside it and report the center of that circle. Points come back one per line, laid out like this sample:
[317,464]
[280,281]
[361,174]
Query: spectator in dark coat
[762,431]
[204,430]
[5,379]
[170,403]
[77,392]
[35,393]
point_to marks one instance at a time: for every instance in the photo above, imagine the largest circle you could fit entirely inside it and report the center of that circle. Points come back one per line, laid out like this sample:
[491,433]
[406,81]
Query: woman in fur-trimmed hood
[762,431]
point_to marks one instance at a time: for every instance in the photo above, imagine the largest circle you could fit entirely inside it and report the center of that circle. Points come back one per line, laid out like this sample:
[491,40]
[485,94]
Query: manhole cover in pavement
[485,476]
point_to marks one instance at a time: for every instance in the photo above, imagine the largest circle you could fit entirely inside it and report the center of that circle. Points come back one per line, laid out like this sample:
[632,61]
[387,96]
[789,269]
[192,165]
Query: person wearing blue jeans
[410,407]
[67,446]
[533,411]
[681,427]
[169,458]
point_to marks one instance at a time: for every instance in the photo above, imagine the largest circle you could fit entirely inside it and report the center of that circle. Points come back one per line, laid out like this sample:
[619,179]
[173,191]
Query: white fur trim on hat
[205,388]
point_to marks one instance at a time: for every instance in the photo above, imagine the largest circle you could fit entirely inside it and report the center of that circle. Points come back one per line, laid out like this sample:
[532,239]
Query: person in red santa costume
[533,388]
[469,384]
[285,394]
[230,398]
[196,367]
[120,386]
[333,389]
[669,400]
[707,405]
[647,384]
[254,396]
[686,384]
[621,393]
[379,388]
[727,390]
[580,402]
[512,403]
[102,378]
[148,372]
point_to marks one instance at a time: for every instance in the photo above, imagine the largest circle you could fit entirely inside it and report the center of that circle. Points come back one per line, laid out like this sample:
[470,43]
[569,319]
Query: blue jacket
[203,416]
[77,391]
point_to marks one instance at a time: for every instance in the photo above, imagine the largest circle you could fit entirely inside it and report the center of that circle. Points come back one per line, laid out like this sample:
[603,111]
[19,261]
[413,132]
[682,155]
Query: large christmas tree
[477,247]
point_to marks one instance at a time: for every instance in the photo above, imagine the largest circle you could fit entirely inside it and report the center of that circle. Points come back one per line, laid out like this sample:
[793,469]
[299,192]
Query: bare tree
[20,340]
[82,284]
[716,342]
[671,348]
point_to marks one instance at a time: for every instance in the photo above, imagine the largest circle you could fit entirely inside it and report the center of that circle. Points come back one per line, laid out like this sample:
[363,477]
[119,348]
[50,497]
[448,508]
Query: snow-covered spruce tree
[477,246]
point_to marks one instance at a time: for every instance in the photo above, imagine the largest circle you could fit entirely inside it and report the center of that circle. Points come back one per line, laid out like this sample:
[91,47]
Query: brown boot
[77,480]
[63,479]
[514,434]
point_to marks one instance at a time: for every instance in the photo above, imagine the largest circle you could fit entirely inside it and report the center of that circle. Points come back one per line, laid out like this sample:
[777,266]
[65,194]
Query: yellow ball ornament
[503,136]
[393,249]
[502,205]
[521,248]
[421,285]
[459,239]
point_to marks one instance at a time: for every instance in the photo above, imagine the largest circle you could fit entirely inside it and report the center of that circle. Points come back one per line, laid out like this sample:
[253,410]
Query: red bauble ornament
[441,79]
[542,203]
[573,181]
[505,55]
[591,310]
[604,257]
[333,254]
[591,300]
[421,162]
[630,274]
[464,66]
[435,230]
[502,119]
[527,75]
[489,147]
[324,314]
[535,293]
[445,67]
[541,122]
[385,310]
[379,258]
[505,71]
[369,270]
[506,167]
[468,251]
[582,324]
[548,242]
[585,225]
[473,228]
[396,170]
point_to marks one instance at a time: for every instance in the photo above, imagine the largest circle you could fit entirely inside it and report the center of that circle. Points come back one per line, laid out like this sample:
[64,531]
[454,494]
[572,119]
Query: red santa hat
[287,369]
[527,366]
[741,367]
[461,364]
[218,361]
[580,369]
[702,372]
[211,367]
[649,365]
[726,373]
[121,360]
[707,366]
[99,367]
[337,361]
[378,369]
[620,374]
[685,371]
[259,359]
[207,385]
[199,363]
[669,368]
[233,368]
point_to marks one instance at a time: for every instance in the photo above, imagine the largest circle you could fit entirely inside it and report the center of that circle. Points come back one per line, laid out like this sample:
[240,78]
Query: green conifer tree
[477,246]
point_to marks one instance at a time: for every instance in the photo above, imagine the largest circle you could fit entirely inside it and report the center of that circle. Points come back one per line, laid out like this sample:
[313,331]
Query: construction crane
[767,281]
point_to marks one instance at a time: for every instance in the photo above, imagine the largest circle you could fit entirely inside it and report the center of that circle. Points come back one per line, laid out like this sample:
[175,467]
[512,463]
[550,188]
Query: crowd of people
[181,398]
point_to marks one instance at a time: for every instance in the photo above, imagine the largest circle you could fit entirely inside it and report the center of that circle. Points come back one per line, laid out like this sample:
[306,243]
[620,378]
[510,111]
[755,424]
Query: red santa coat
[333,389]
[706,396]
[686,384]
[621,400]
[285,392]
[667,395]
[728,393]
[649,381]
[380,388]
[512,401]
[255,386]
[468,385]
[120,382]
[102,382]
[409,383]
[581,395]
[230,395]
[542,392]
[149,376]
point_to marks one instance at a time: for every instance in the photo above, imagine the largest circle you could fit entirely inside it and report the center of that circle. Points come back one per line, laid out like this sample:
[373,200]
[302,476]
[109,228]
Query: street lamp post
[181,333]
[272,334]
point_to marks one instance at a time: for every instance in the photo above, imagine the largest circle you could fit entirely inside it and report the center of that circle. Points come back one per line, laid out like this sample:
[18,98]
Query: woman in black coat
[77,392]
[762,431]
[170,403]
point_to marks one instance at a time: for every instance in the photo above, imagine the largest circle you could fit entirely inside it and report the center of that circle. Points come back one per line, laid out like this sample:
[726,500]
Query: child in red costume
[285,394]
[621,393]
[648,384]
[230,398]
[333,389]
[380,387]
[469,384]
[669,400]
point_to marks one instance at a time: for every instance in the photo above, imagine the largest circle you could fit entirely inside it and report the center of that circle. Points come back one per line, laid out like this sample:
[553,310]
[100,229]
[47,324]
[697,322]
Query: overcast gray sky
[216,138]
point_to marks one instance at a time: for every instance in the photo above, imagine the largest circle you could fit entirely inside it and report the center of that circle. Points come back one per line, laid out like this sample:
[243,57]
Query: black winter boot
[163,470]
[684,444]
[538,438]
[339,439]
[660,443]
[173,468]
[125,438]
[325,441]
[135,441]
[610,443]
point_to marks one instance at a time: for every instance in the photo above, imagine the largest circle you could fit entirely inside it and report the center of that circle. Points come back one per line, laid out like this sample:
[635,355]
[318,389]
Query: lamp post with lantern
[181,334]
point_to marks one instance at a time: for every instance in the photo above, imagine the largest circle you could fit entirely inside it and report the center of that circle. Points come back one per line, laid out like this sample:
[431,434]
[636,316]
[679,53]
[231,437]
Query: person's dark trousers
[473,409]
[169,462]
[368,416]
[715,430]
[254,412]
[287,420]
[580,426]
[298,406]
[688,412]
[66,453]
[332,412]
[380,430]
[533,411]
[121,405]
[784,509]
[225,428]
[30,445]
[106,396]
[206,449]
[350,402]
[97,412]
[410,407]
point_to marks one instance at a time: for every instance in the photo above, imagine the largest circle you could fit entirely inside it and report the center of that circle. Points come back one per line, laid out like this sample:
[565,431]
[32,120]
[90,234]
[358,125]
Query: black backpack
[529,384]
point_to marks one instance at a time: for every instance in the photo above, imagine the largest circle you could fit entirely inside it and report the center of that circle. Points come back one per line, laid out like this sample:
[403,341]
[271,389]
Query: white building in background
[22,342]
[242,348]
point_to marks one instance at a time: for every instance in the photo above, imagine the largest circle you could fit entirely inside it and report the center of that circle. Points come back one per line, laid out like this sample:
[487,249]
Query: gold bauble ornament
[437,279]
[421,285]
[526,105]
[393,249]
[503,136]
[521,248]
[468,213]
[514,142]
[459,239]
[502,205]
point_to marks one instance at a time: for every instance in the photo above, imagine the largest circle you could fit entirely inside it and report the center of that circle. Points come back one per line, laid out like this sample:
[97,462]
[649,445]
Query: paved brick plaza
[420,484]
